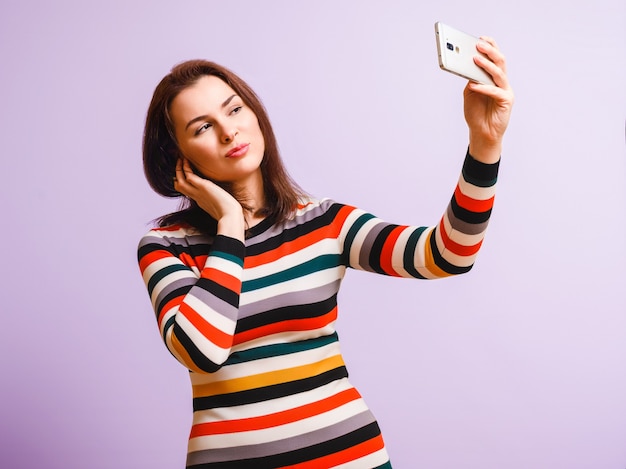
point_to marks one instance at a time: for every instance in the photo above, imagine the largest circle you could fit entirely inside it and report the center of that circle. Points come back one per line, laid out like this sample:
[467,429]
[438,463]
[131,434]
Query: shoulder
[324,210]
[312,204]
[177,234]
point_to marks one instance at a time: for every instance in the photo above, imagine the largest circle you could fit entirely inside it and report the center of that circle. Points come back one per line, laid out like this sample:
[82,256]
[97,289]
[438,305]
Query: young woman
[244,277]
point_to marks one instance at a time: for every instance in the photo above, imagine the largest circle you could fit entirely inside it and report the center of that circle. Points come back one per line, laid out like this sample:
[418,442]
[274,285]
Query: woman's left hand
[488,107]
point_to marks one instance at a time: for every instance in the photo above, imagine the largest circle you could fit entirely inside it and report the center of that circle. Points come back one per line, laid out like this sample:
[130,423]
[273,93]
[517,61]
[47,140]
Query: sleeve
[196,315]
[449,248]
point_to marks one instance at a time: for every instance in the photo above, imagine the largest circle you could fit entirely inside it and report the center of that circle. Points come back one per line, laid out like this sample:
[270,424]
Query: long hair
[160,149]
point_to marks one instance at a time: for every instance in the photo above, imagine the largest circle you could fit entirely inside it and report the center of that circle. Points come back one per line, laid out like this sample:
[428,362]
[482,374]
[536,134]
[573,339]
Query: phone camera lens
[449,46]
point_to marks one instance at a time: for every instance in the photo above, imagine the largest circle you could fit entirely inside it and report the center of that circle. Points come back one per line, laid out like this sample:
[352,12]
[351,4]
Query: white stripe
[217,320]
[294,259]
[459,237]
[224,265]
[359,239]
[270,364]
[308,282]
[205,346]
[281,432]
[167,280]
[451,257]
[476,192]
[166,316]
[397,255]
[157,265]
[350,220]
[286,336]
[261,409]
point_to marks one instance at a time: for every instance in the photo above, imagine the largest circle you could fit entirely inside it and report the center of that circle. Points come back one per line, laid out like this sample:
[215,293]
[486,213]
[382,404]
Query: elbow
[201,358]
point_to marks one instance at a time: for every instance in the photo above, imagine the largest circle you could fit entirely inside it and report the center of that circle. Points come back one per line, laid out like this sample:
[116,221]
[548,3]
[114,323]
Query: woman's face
[217,132]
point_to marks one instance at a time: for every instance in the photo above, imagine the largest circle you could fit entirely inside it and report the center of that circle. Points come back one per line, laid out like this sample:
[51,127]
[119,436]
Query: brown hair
[160,149]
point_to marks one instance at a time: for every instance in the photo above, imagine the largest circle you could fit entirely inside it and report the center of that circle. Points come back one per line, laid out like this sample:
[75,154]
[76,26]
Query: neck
[253,195]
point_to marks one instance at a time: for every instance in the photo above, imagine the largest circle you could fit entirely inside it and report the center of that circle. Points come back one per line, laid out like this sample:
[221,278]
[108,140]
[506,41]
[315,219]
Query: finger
[177,174]
[489,47]
[497,73]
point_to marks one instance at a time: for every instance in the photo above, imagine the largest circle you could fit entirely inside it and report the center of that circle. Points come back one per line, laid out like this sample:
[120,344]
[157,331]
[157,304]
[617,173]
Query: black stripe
[218,290]
[409,252]
[377,248]
[286,313]
[467,215]
[441,262]
[199,359]
[478,173]
[268,393]
[147,249]
[211,287]
[301,455]
[324,219]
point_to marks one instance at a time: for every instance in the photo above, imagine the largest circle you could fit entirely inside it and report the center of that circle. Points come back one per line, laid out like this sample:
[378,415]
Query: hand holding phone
[456,51]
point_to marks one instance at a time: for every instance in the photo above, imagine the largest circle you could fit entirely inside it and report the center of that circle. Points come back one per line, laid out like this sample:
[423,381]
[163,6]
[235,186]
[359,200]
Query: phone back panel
[456,51]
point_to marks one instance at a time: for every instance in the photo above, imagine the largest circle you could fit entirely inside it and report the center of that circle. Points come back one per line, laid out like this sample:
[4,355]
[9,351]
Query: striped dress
[254,323]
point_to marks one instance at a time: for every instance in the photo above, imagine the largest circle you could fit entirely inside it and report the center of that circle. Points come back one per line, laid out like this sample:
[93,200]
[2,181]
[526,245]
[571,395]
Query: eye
[236,109]
[203,128]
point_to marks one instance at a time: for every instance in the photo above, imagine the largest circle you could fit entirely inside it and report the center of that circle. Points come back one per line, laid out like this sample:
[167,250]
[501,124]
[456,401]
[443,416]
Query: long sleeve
[195,305]
[449,248]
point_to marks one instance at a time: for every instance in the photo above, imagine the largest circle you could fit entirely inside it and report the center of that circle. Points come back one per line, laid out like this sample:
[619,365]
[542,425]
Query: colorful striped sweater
[254,323]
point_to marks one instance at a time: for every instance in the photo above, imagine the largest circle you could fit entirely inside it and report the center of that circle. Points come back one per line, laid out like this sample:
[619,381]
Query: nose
[229,135]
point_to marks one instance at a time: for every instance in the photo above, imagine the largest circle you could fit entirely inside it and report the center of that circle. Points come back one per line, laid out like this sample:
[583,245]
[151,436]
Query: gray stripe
[464,227]
[171,286]
[217,304]
[366,247]
[283,445]
[276,230]
[312,295]
[224,308]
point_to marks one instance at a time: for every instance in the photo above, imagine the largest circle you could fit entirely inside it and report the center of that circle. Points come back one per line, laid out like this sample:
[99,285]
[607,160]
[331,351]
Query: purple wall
[518,365]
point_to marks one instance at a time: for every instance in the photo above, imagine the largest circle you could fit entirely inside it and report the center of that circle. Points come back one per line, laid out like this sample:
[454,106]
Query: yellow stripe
[268,379]
[182,353]
[430,261]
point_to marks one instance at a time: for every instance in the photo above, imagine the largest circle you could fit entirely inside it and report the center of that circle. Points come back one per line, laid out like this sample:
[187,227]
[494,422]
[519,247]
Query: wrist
[233,226]
[485,151]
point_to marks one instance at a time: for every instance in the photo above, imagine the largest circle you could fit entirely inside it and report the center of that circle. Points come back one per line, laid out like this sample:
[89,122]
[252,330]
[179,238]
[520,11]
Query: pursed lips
[239,150]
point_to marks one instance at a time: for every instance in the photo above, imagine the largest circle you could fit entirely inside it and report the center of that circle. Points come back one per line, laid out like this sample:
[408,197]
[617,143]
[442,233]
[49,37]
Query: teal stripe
[408,259]
[229,257]
[169,323]
[162,273]
[275,350]
[387,465]
[354,229]
[318,264]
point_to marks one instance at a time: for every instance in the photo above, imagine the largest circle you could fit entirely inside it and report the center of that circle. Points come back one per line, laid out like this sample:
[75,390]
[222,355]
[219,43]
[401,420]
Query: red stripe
[222,278]
[473,205]
[276,419]
[350,454]
[456,248]
[304,241]
[152,257]
[387,251]
[208,330]
[286,326]
[174,302]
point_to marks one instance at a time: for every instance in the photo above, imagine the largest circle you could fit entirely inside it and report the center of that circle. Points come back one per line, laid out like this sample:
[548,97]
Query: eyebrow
[204,117]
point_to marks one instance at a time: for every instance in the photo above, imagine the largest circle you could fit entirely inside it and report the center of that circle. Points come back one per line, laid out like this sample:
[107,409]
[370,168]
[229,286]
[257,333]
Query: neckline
[259,228]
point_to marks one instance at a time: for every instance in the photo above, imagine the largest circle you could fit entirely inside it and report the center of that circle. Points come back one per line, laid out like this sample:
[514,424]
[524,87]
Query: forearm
[449,248]
[196,314]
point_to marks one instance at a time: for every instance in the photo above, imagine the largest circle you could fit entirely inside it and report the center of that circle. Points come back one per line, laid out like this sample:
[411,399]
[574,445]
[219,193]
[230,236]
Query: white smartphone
[456,52]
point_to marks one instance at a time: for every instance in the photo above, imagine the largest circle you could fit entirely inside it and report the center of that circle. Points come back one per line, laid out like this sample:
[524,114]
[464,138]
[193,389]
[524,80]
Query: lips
[238,151]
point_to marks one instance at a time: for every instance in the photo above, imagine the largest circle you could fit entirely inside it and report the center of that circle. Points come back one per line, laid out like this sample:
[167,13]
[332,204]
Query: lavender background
[518,365]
